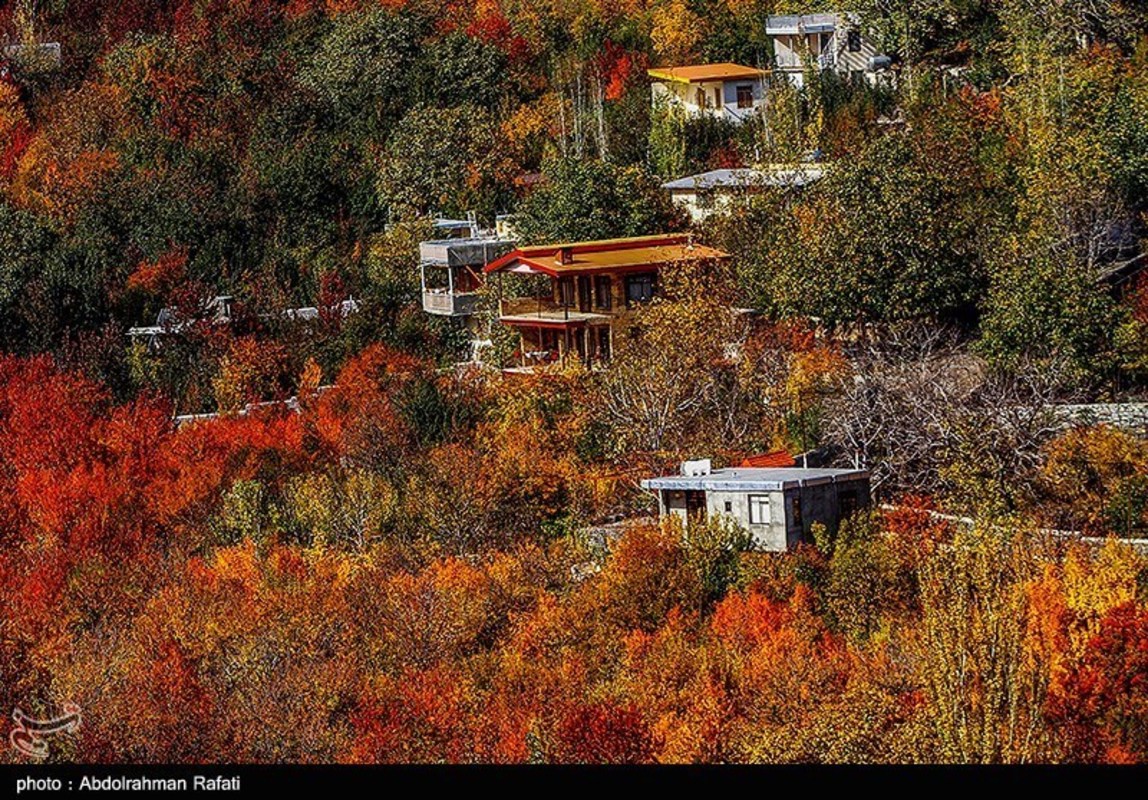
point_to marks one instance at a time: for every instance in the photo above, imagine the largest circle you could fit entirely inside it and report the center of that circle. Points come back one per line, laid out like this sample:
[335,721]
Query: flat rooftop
[744,178]
[749,479]
[704,73]
[792,24]
[469,251]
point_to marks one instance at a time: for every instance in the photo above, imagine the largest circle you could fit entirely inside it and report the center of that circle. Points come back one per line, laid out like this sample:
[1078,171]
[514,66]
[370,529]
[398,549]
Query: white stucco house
[726,91]
[712,192]
[777,506]
[833,42]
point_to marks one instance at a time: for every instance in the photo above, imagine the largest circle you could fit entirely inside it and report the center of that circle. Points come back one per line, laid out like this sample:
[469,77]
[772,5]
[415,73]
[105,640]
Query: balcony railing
[449,304]
[825,60]
[523,306]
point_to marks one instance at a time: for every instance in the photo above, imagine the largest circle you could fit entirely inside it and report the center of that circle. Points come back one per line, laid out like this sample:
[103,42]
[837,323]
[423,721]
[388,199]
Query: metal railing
[455,304]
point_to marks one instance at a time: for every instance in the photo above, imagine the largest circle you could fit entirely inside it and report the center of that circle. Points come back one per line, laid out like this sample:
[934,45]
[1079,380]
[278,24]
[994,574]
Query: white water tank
[694,469]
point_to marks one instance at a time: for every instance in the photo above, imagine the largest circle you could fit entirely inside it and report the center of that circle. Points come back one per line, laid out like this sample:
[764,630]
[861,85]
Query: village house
[708,193]
[586,292]
[778,506]
[825,42]
[731,92]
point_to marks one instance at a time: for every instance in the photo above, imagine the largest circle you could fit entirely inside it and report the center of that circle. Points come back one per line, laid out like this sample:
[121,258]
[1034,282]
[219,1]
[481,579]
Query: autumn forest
[348,526]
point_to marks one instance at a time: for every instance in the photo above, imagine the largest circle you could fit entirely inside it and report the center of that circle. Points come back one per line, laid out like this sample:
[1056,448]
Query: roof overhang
[542,259]
[706,73]
[717,482]
[799,30]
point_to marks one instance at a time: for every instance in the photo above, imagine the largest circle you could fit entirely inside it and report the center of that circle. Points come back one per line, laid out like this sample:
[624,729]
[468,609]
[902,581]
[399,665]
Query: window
[696,504]
[700,98]
[745,96]
[639,288]
[759,509]
[797,511]
[728,507]
[549,340]
[717,97]
[853,41]
[583,293]
[602,288]
[848,503]
[566,292]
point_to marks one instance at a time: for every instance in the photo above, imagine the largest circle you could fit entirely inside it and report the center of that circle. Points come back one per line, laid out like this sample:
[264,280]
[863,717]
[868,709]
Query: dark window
[696,504]
[745,97]
[853,41]
[604,343]
[602,288]
[717,97]
[848,503]
[728,507]
[797,511]
[566,292]
[549,340]
[583,294]
[700,96]
[639,289]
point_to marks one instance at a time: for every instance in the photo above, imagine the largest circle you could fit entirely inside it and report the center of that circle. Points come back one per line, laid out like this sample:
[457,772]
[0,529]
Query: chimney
[564,256]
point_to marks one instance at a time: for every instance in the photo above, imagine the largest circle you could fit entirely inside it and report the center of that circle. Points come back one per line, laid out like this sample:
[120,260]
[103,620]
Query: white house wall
[772,537]
[685,95]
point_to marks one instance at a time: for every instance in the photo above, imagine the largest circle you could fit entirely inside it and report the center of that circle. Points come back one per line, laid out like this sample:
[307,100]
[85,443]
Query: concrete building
[450,271]
[712,192]
[823,42]
[586,291]
[777,506]
[726,91]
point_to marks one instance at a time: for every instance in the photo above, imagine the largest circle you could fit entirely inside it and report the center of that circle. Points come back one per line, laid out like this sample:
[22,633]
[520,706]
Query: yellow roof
[706,72]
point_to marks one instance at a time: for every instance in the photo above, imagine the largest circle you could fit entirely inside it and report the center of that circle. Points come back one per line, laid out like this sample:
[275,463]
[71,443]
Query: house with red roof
[585,292]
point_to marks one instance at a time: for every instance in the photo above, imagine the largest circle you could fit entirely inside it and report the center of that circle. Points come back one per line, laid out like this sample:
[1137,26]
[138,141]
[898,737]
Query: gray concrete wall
[786,529]
[729,92]
[821,503]
[771,537]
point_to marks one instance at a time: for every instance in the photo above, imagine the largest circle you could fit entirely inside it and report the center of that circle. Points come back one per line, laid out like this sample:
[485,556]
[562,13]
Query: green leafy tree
[581,200]
[445,160]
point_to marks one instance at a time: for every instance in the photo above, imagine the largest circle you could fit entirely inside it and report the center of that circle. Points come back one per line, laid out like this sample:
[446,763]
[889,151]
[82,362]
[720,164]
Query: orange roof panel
[605,255]
[700,73]
[778,458]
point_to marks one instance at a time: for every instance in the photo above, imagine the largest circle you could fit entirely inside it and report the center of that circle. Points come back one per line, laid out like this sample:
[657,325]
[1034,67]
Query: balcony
[525,311]
[791,61]
[446,303]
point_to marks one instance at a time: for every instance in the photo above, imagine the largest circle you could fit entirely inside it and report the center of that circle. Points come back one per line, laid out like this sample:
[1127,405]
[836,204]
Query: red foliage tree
[603,733]
[1101,705]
